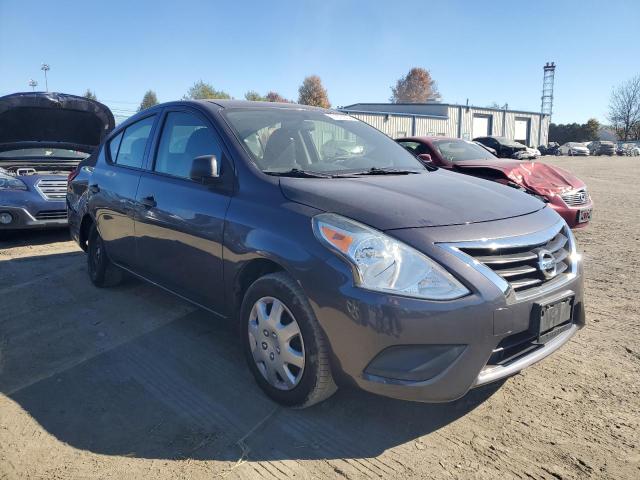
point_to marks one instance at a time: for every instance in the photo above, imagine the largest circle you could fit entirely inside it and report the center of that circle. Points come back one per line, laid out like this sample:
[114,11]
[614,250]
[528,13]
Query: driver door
[180,221]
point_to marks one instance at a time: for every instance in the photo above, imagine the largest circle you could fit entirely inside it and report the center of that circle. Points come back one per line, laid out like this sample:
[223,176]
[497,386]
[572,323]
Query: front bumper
[570,214]
[361,325]
[22,218]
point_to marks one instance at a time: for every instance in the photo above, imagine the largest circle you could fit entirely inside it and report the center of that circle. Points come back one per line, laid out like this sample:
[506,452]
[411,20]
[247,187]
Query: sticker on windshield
[340,117]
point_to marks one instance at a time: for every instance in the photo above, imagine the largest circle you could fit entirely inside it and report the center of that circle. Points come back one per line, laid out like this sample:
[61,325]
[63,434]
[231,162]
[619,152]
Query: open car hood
[52,120]
[388,202]
[538,177]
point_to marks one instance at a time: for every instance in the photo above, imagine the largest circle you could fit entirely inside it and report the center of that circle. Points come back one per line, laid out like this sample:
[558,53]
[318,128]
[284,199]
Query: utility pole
[45,68]
[33,84]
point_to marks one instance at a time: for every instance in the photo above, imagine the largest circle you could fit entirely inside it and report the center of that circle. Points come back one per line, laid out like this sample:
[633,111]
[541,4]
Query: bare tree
[417,86]
[624,109]
[311,92]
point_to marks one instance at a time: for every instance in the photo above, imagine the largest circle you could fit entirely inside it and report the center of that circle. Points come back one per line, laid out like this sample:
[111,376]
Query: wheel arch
[248,273]
[85,230]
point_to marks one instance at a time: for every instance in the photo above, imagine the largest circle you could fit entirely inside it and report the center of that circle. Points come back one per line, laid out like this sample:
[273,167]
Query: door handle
[148,202]
[94,188]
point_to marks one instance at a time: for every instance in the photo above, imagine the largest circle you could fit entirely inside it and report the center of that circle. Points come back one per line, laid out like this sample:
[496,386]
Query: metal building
[460,121]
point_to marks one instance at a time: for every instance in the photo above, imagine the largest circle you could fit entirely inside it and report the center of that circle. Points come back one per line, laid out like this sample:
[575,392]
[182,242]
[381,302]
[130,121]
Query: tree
[311,92]
[416,87]
[254,96]
[149,100]
[90,95]
[276,97]
[575,132]
[201,90]
[591,129]
[624,109]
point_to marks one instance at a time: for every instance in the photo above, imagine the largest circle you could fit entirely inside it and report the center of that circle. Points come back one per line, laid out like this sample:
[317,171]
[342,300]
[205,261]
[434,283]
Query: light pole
[45,68]
[33,84]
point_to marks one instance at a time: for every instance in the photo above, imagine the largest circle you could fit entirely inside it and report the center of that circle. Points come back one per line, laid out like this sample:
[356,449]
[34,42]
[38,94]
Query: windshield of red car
[461,150]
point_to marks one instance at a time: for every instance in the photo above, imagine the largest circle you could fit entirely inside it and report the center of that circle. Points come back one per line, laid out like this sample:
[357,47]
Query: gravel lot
[134,383]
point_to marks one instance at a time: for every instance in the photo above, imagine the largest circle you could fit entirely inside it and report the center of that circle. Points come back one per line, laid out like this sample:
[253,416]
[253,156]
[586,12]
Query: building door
[522,130]
[481,125]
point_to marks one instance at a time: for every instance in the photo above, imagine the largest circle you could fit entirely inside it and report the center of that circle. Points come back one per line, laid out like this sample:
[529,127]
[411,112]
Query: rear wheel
[102,272]
[284,345]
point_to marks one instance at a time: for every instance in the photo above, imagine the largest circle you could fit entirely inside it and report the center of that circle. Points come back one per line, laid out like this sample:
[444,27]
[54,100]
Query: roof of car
[249,104]
[427,138]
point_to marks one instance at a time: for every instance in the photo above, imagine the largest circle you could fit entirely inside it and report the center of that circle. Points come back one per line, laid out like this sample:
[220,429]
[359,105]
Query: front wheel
[284,345]
[102,272]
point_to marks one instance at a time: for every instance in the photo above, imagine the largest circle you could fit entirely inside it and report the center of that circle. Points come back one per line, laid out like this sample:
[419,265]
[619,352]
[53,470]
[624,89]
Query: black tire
[316,383]
[102,272]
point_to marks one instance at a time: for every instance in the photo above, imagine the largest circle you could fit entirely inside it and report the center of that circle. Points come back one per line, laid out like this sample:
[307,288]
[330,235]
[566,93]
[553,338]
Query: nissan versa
[342,257]
[43,137]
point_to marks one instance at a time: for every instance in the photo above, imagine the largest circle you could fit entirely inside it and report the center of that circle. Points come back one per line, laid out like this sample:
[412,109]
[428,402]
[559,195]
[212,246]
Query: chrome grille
[526,266]
[52,189]
[51,215]
[576,198]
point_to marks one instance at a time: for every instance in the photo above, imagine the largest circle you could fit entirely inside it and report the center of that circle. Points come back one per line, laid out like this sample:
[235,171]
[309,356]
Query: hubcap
[276,343]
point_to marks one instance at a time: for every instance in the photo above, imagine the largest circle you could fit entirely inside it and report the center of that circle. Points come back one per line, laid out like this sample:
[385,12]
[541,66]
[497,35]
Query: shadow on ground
[133,371]
[16,238]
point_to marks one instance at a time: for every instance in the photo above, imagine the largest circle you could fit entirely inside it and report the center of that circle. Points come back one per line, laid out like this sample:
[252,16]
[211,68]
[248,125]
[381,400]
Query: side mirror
[205,169]
[425,157]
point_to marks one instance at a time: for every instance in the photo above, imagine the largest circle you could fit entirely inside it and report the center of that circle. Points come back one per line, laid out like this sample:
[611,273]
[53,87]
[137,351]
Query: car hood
[540,178]
[429,199]
[52,120]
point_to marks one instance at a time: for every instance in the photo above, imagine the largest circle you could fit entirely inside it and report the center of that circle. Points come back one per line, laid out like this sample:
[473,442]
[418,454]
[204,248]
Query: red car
[564,192]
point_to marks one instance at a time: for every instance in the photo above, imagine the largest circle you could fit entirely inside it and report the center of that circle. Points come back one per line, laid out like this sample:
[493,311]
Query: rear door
[113,188]
[179,222]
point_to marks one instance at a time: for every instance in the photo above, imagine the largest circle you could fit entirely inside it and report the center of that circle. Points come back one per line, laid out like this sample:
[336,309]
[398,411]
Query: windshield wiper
[386,171]
[297,173]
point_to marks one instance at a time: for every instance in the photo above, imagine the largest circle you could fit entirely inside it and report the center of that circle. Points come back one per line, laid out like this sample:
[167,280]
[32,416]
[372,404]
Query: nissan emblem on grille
[522,264]
[547,263]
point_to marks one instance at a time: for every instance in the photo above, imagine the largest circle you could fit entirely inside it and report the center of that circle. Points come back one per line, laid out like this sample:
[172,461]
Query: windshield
[286,139]
[57,153]
[461,150]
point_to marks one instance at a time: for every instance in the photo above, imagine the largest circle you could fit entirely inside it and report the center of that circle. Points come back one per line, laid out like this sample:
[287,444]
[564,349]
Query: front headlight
[384,264]
[7,182]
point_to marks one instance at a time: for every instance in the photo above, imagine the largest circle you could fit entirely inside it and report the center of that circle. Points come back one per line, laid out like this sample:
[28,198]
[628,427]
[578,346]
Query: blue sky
[484,51]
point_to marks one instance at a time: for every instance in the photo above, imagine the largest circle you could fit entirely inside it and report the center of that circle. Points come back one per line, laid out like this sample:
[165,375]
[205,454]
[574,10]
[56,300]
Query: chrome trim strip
[498,372]
[527,240]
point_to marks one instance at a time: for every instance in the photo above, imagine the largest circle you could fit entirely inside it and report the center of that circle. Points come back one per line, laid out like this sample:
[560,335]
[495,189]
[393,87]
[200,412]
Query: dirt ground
[134,383]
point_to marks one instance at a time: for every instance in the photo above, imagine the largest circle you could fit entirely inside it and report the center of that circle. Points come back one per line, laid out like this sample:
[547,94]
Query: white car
[534,152]
[573,148]
[631,150]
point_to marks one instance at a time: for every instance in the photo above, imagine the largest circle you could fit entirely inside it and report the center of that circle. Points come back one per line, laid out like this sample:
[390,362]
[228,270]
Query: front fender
[250,235]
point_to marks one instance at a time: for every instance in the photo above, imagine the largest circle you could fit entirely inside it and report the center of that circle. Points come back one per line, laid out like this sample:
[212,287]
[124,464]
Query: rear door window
[134,143]
[114,145]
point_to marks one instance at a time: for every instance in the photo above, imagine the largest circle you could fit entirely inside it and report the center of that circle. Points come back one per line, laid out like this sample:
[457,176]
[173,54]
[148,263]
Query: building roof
[430,109]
